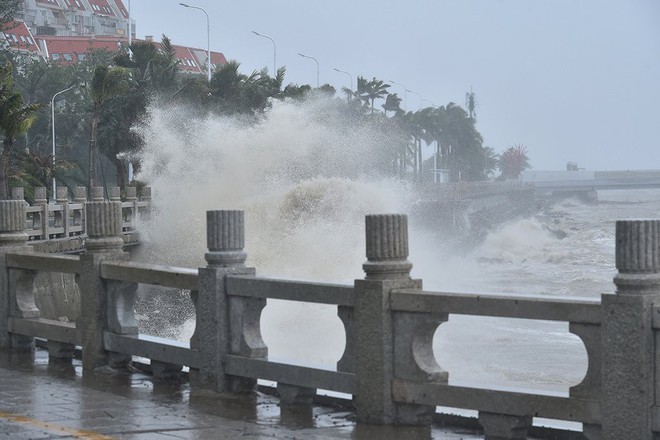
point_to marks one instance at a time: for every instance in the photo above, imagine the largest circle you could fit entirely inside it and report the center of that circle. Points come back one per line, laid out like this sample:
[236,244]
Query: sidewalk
[42,401]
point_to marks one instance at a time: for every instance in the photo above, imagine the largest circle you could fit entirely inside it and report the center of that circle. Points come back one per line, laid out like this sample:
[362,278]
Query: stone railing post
[145,199]
[96,194]
[131,213]
[62,219]
[18,193]
[20,301]
[80,197]
[225,324]
[387,268]
[103,242]
[114,194]
[628,344]
[41,200]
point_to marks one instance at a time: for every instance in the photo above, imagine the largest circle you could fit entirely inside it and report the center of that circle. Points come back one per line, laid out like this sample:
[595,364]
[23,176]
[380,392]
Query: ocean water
[305,187]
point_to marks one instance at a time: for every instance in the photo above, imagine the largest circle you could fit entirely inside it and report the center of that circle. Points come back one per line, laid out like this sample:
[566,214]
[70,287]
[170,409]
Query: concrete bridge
[388,366]
[587,183]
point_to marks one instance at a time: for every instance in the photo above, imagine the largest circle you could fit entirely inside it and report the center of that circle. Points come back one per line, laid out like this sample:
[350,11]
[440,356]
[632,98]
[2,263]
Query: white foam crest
[518,241]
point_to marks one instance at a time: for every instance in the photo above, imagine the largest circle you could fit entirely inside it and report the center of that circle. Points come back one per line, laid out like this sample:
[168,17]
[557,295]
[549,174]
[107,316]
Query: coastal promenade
[388,370]
[42,400]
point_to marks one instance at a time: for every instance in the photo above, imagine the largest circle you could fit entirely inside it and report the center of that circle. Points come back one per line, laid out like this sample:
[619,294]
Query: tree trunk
[4,169]
[91,182]
[421,162]
[121,172]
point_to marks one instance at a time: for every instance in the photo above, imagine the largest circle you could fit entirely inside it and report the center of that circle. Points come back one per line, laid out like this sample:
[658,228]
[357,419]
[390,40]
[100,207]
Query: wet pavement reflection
[44,398]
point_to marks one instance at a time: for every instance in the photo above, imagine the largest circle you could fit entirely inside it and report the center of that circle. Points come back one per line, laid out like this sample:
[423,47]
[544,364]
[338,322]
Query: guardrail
[64,218]
[388,364]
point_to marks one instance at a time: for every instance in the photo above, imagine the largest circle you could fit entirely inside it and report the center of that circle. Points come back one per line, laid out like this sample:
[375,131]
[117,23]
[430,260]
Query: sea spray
[304,175]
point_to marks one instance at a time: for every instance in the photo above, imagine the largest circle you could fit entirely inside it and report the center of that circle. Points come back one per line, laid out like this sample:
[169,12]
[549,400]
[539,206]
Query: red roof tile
[50,3]
[76,4]
[68,49]
[121,8]
[19,36]
[101,7]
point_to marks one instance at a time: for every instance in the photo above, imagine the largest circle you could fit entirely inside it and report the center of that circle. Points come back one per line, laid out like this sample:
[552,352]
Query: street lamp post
[405,94]
[349,75]
[208,36]
[129,24]
[52,119]
[317,67]
[274,51]
[420,97]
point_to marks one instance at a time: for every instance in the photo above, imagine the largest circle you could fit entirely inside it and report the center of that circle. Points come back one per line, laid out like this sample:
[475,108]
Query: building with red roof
[68,30]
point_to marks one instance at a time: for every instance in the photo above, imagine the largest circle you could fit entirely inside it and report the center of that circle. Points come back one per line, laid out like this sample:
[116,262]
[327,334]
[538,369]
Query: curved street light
[274,51]
[349,75]
[52,119]
[208,36]
[405,94]
[420,97]
[432,104]
[317,67]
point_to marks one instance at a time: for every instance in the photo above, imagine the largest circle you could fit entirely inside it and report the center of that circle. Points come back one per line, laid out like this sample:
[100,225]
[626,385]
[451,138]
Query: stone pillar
[145,197]
[104,242]
[62,218]
[387,268]
[628,344]
[145,194]
[97,194]
[40,196]
[80,197]
[21,301]
[225,324]
[130,214]
[42,216]
[80,194]
[114,194]
[17,193]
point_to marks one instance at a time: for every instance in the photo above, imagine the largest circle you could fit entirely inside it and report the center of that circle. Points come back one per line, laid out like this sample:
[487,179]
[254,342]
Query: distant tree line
[110,94]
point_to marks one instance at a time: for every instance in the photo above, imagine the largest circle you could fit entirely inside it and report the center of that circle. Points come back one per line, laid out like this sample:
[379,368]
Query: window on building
[29,40]
[68,57]
[55,56]
[82,56]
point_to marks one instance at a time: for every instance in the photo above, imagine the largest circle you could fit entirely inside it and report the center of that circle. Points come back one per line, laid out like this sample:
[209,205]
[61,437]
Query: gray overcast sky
[572,80]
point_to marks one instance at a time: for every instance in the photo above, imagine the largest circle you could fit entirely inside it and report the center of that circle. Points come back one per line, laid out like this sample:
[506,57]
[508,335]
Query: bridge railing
[388,364]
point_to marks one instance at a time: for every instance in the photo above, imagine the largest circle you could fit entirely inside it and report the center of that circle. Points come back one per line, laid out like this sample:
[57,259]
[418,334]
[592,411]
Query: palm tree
[372,90]
[107,83]
[392,103]
[16,118]
[514,161]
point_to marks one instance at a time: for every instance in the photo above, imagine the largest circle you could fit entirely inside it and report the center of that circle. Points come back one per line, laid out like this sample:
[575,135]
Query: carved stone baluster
[225,324]
[62,217]
[630,350]
[103,243]
[387,268]
[16,293]
[40,200]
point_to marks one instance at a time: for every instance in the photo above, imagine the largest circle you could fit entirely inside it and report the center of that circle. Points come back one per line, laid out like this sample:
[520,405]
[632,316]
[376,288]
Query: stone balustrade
[65,219]
[388,365]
